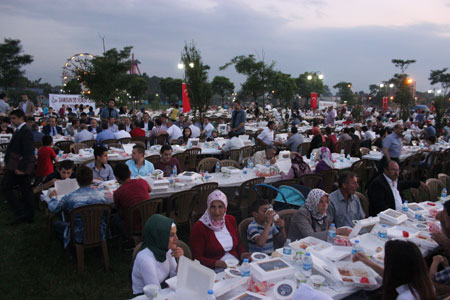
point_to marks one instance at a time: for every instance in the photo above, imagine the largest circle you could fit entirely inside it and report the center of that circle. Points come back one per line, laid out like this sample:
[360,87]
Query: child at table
[46,156]
[262,230]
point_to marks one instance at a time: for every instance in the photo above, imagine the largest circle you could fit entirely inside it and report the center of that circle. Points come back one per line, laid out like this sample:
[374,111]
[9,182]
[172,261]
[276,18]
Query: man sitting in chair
[137,164]
[83,196]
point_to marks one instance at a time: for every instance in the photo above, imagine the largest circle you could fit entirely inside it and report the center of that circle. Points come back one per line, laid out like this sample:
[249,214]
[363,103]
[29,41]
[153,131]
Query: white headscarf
[312,202]
[206,219]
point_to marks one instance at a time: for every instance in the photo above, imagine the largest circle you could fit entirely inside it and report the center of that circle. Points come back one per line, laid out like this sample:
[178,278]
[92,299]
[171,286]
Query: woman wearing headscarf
[326,160]
[155,261]
[215,237]
[317,141]
[311,219]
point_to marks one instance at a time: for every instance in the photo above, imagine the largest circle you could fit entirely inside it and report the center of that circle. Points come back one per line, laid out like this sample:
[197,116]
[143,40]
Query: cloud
[346,40]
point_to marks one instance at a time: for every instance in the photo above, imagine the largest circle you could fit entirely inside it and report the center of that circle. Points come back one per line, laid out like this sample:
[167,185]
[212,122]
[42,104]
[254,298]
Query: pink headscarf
[206,219]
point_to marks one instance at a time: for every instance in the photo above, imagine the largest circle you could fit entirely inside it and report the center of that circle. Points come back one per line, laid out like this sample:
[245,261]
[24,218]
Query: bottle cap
[246,260]
[210,292]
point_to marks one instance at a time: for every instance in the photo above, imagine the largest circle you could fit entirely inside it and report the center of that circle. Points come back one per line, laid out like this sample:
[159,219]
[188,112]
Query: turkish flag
[185,97]
[314,100]
[385,103]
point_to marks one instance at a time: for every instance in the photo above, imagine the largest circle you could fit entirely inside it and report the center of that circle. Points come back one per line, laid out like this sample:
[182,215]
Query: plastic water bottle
[60,154]
[444,193]
[312,157]
[331,234]
[268,163]
[341,157]
[171,180]
[217,167]
[245,268]
[175,170]
[287,250]
[148,144]
[307,264]
[356,247]
[36,152]
[206,177]
[244,171]
[382,233]
[405,207]
[250,163]
[210,295]
[348,157]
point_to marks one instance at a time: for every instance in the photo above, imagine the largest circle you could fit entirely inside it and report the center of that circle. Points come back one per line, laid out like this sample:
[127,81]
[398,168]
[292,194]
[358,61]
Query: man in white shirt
[266,136]
[208,128]
[83,135]
[173,130]
[112,125]
[122,133]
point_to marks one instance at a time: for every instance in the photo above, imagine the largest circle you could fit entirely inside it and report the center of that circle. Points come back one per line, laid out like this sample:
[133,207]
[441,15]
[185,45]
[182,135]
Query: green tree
[73,86]
[345,92]
[171,88]
[106,76]
[11,62]
[222,86]
[284,89]
[309,82]
[403,94]
[403,64]
[259,74]
[440,103]
[137,86]
[196,78]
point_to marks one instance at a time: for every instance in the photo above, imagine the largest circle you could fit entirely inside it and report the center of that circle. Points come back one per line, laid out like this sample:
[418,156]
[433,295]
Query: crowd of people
[214,238]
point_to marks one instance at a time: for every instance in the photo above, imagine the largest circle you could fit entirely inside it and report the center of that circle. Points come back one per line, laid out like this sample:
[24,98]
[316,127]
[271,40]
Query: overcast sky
[346,40]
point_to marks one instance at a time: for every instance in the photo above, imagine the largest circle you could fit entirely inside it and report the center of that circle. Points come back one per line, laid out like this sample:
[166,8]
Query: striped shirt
[254,230]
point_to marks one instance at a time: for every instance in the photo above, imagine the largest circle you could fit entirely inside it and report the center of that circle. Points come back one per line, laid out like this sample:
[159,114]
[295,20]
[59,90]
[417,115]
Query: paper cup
[151,291]
[317,281]
[231,263]
[300,277]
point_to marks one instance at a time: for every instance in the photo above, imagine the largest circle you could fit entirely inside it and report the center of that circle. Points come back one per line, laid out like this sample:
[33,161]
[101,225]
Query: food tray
[369,242]
[275,268]
[424,239]
[334,253]
[308,242]
[393,216]
[356,274]
[396,232]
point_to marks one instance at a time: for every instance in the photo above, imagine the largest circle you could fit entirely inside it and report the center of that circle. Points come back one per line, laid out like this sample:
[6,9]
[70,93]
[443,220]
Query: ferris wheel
[73,64]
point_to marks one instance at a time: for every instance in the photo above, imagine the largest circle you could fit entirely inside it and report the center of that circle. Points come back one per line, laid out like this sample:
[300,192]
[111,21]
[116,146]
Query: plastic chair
[187,251]
[181,157]
[286,215]
[64,145]
[364,202]
[246,196]
[202,192]
[328,179]
[230,163]
[191,161]
[207,164]
[435,186]
[90,143]
[92,217]
[233,154]
[180,206]
[304,147]
[153,158]
[310,180]
[75,148]
[124,140]
[445,180]
[142,211]
[243,227]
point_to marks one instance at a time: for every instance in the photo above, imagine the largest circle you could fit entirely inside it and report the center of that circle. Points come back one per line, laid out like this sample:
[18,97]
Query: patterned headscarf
[206,219]
[312,202]
[325,155]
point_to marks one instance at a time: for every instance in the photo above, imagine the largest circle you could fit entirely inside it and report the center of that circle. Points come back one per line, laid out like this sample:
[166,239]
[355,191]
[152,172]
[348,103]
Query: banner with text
[57,100]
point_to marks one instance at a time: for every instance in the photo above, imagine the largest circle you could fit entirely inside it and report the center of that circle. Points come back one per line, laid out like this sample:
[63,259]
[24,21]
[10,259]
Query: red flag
[314,100]
[185,97]
[385,103]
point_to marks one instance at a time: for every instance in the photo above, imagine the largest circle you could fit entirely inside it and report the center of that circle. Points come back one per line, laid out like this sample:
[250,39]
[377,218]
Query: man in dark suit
[384,190]
[19,164]
[94,128]
[51,128]
[146,123]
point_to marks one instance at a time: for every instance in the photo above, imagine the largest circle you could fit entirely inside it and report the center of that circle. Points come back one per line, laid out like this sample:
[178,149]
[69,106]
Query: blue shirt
[105,113]
[146,169]
[254,230]
[106,172]
[394,145]
[237,117]
[83,196]
[294,141]
[106,134]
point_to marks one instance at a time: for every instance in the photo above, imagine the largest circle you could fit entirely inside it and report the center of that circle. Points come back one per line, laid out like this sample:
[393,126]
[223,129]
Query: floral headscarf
[206,219]
[325,155]
[312,202]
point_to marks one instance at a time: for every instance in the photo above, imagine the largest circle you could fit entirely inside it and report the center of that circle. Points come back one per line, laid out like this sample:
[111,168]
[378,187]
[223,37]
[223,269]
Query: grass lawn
[34,265]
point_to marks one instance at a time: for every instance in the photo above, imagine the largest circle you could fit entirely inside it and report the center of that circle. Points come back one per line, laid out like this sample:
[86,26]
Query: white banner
[57,100]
